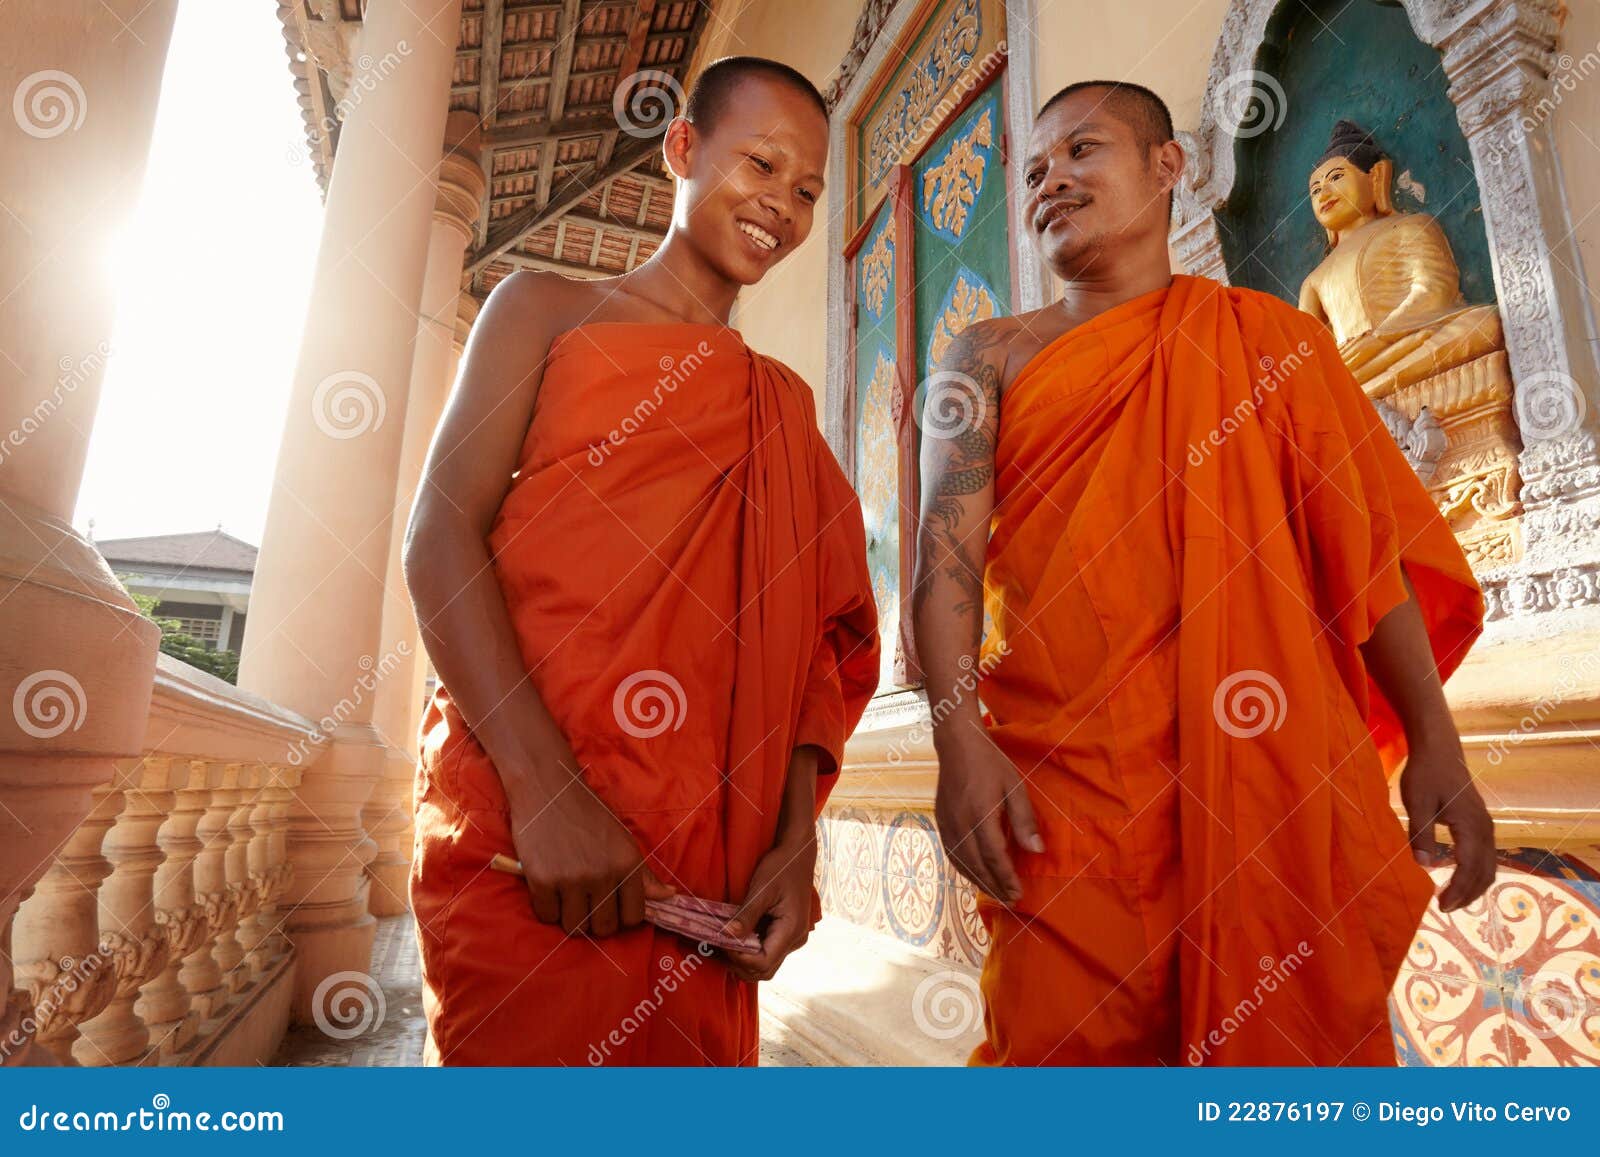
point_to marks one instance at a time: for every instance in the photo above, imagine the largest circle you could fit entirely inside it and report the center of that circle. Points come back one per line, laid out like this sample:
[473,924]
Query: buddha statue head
[1352,183]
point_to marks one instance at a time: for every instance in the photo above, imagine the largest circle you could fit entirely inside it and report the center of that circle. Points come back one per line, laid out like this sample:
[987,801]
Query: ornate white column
[1499,62]
[80,84]
[399,696]
[314,630]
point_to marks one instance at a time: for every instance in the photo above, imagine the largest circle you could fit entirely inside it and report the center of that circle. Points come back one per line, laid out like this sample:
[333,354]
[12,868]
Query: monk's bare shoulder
[531,307]
[981,352]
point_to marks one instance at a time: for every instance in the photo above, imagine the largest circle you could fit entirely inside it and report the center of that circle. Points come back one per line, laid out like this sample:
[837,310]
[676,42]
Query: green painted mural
[963,247]
[877,443]
[1359,60]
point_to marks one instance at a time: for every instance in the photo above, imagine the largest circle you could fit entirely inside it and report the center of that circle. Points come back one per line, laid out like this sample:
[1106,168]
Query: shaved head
[717,83]
[1142,110]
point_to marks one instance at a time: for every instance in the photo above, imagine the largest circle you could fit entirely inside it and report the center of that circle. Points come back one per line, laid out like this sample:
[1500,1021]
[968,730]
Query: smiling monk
[641,576]
[1223,606]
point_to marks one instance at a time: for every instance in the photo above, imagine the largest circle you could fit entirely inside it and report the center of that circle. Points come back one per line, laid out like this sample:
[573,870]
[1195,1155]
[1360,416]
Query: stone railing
[155,936]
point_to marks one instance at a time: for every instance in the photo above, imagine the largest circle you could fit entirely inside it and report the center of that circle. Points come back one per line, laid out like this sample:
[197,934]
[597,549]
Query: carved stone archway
[1499,57]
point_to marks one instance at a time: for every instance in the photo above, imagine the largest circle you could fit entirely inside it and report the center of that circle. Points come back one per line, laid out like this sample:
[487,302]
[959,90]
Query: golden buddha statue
[1390,291]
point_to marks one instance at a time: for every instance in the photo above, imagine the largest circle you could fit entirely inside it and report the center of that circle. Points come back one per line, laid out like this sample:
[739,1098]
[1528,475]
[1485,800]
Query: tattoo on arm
[959,432]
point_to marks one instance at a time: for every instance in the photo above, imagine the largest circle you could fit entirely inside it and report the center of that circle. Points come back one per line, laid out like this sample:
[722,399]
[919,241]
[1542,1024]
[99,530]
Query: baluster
[164,1004]
[57,935]
[241,879]
[204,970]
[128,930]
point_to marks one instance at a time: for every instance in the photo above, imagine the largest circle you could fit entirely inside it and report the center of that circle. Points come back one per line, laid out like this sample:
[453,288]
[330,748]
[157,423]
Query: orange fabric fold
[1200,518]
[684,566]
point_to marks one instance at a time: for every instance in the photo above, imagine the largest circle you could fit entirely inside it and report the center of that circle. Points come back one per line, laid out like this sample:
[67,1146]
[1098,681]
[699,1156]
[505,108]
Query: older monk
[1222,607]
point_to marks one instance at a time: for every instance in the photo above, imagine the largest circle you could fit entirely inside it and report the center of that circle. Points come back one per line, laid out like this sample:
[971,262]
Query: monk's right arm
[978,785]
[583,868]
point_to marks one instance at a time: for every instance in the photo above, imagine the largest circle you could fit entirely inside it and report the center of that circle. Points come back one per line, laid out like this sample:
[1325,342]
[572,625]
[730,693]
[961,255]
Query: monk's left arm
[1435,786]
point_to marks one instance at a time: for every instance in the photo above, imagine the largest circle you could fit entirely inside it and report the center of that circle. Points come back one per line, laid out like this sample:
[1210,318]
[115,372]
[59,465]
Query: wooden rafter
[561,200]
[644,12]
[566,49]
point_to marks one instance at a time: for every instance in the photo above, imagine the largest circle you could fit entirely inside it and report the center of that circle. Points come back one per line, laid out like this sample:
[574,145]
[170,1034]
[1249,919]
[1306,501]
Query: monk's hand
[583,867]
[979,793]
[1437,788]
[777,907]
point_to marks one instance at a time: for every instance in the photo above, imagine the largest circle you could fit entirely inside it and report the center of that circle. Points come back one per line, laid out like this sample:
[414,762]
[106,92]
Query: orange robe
[684,565]
[1199,519]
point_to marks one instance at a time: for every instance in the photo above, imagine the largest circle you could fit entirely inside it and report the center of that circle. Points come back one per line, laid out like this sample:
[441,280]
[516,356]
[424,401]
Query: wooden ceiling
[567,188]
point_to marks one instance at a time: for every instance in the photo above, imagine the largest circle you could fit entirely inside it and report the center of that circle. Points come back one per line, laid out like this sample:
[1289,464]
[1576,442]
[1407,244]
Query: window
[929,254]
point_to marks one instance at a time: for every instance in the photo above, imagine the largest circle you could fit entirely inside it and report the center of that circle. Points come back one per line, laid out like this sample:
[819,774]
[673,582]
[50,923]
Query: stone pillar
[258,862]
[164,1005]
[317,602]
[398,710]
[1499,64]
[81,83]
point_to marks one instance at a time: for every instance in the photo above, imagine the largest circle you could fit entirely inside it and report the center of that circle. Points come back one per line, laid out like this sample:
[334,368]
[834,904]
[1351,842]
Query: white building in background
[202,579]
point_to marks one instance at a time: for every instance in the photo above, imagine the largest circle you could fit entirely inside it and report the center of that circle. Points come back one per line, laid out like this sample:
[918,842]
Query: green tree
[174,642]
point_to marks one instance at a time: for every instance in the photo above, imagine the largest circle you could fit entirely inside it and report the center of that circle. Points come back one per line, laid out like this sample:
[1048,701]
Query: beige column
[80,84]
[314,629]
[398,710]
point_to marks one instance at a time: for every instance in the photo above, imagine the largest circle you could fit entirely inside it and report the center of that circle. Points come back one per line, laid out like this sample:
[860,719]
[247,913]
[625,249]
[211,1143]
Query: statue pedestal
[1476,481]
